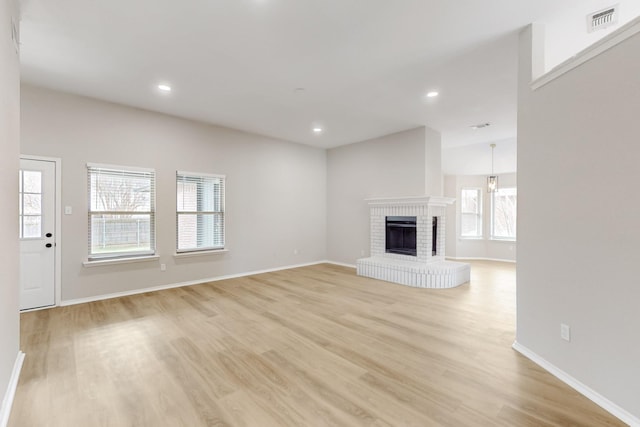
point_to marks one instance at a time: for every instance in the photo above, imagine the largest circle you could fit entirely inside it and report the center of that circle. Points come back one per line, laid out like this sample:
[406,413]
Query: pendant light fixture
[492,180]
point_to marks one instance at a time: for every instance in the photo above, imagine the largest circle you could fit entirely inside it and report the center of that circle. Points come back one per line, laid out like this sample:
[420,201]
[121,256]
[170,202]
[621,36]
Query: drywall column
[433,163]
[578,216]
[9,165]
[451,244]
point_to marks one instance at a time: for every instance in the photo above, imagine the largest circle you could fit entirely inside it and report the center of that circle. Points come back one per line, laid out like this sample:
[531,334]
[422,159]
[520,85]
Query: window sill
[200,253]
[114,261]
[471,238]
[502,239]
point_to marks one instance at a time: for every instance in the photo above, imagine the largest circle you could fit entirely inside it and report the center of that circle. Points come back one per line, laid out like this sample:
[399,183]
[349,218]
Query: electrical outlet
[296,252]
[163,267]
[565,332]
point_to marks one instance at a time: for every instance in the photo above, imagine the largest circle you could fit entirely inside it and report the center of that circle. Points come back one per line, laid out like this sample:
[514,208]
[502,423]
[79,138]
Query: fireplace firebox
[401,235]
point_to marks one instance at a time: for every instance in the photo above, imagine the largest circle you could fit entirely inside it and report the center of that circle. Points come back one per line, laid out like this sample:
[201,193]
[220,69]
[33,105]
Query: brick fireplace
[427,268]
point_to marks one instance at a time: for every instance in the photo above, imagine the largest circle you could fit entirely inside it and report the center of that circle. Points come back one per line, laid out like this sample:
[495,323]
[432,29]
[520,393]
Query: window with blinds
[121,211]
[504,205]
[471,212]
[200,212]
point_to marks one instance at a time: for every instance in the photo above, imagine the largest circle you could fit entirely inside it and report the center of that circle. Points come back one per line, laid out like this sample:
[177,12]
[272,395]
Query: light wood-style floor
[314,346]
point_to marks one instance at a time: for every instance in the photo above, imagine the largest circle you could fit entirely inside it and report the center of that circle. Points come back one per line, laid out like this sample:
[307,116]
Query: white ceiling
[365,65]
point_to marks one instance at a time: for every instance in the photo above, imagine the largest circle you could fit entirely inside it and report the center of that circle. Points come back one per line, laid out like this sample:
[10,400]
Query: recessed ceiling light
[317,130]
[480,126]
[432,94]
[164,88]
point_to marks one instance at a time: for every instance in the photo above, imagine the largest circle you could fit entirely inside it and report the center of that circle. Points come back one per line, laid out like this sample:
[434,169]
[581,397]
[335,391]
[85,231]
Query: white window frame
[219,213]
[117,255]
[479,214]
[493,207]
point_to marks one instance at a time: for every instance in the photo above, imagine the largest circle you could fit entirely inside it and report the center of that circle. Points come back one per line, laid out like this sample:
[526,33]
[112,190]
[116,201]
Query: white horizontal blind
[121,211]
[200,212]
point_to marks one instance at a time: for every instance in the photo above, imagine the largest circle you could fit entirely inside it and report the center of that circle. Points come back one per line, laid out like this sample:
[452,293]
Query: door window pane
[30,204]
[32,226]
[32,182]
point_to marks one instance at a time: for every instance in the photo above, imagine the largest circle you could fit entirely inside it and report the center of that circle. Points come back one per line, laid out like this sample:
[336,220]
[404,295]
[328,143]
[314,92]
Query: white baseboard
[7,402]
[589,393]
[480,259]
[342,264]
[179,285]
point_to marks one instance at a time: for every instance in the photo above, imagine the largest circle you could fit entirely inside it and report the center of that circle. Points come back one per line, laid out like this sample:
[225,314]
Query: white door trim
[58,226]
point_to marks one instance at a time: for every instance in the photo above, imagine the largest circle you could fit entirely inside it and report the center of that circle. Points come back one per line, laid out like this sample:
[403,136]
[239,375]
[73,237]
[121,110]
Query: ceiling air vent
[602,19]
[480,126]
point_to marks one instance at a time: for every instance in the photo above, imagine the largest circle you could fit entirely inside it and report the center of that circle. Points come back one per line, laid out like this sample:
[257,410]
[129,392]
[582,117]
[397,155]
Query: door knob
[48,245]
[48,234]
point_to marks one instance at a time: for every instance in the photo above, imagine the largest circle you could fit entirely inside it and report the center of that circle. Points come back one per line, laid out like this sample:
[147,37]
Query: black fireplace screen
[401,235]
[434,236]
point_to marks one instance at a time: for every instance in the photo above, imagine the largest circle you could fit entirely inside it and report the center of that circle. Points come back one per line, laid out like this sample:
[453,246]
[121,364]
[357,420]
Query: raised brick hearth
[426,269]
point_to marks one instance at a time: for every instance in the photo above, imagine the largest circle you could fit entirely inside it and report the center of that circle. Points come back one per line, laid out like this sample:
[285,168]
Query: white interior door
[37,233]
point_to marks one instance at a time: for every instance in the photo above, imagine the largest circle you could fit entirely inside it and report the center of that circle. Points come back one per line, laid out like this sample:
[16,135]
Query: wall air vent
[602,19]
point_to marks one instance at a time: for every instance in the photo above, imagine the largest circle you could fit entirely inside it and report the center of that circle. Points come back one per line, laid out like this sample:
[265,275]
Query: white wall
[485,248]
[393,165]
[275,193]
[9,165]
[578,231]
[566,32]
